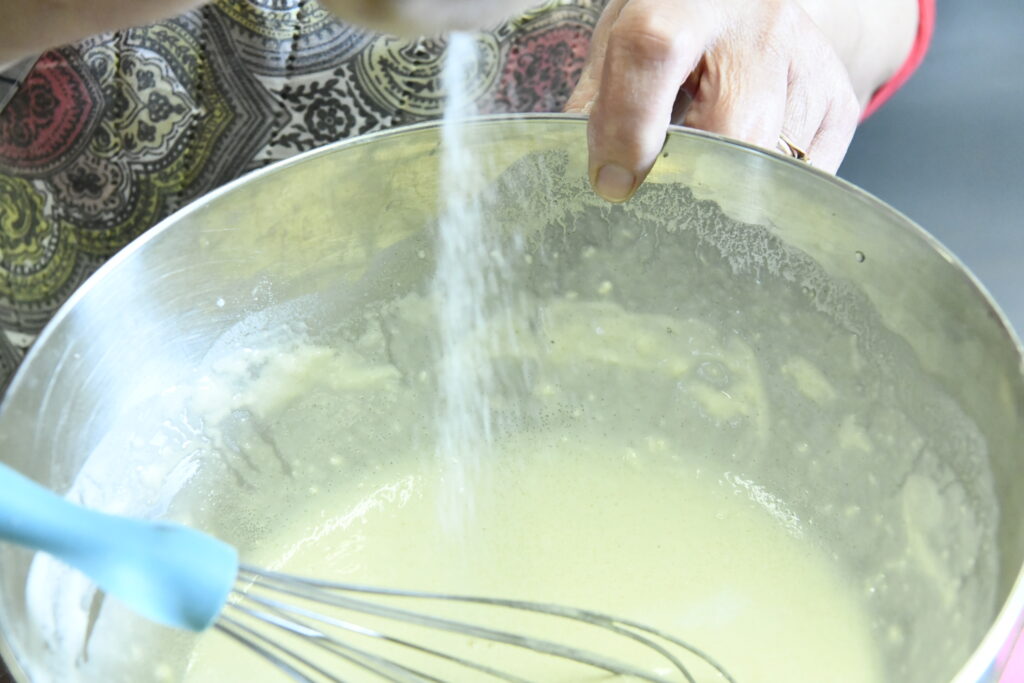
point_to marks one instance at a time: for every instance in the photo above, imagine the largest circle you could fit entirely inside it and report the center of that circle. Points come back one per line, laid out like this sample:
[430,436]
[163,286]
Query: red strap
[925,28]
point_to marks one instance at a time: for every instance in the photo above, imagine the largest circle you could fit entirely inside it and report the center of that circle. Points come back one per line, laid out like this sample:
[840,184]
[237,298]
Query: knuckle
[647,38]
[777,23]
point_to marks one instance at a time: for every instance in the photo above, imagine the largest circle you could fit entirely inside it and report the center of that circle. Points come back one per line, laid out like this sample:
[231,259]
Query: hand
[747,69]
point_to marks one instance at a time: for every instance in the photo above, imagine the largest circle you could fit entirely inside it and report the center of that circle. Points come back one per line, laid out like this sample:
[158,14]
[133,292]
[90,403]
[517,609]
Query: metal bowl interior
[320,222]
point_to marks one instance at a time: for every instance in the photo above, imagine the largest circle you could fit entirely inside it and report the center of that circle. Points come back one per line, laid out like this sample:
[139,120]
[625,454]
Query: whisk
[186,579]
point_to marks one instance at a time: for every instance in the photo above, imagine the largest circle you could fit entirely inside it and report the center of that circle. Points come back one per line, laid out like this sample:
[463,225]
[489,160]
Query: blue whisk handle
[167,572]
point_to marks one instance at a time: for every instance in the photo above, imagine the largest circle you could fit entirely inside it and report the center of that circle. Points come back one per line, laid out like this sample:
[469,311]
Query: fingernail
[614,183]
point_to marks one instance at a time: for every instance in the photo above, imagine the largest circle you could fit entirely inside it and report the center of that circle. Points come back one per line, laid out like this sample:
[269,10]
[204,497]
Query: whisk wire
[589,617]
[689,647]
[328,592]
[533,644]
[358,657]
[232,628]
[288,612]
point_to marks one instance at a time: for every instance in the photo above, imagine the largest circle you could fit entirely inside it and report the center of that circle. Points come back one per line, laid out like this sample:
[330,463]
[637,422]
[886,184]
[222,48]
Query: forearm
[31,26]
[871,37]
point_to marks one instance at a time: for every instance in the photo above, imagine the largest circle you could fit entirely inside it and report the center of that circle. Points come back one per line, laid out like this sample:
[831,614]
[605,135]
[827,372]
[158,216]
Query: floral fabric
[108,136]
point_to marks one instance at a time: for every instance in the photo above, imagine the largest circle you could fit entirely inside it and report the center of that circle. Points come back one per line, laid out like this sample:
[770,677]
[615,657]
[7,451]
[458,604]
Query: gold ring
[787,147]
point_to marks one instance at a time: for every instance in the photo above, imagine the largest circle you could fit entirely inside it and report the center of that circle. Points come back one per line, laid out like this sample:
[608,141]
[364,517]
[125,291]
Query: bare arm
[30,26]
[871,37]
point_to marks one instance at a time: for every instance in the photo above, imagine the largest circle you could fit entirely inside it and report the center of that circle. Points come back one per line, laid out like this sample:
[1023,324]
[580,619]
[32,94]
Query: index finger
[585,91]
[652,48]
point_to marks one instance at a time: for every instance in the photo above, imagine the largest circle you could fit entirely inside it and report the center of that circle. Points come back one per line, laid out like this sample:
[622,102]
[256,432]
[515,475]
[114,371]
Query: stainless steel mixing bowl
[152,313]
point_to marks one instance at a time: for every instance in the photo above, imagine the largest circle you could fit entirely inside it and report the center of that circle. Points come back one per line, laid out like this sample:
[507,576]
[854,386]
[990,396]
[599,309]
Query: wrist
[872,37]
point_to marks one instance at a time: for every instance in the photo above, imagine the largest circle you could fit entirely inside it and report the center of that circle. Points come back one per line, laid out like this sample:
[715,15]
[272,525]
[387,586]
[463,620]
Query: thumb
[651,50]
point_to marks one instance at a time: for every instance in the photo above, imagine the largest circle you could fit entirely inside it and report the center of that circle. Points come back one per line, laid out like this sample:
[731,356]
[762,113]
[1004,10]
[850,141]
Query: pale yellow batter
[653,466]
[590,523]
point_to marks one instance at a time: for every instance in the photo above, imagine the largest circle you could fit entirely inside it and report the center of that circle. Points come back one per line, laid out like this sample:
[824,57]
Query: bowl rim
[985,659]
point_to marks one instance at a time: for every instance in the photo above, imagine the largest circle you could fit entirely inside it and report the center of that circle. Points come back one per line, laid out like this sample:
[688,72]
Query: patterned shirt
[108,136]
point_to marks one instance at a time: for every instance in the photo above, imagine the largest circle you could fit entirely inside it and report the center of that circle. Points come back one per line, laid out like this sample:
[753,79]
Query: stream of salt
[468,280]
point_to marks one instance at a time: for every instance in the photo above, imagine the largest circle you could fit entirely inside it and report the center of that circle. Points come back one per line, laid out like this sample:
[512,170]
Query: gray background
[948,149]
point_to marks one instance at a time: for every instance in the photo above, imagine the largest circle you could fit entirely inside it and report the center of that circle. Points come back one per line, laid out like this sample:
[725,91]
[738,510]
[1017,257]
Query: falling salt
[467,282]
